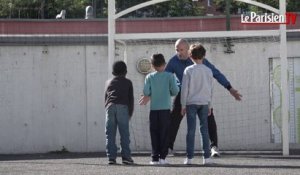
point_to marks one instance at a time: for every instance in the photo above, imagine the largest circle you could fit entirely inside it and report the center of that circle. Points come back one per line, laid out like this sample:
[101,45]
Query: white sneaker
[187,161]
[170,153]
[214,152]
[208,161]
[154,163]
[163,162]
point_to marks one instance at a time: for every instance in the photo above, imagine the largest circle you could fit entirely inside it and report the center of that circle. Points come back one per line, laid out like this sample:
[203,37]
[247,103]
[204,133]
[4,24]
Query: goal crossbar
[216,34]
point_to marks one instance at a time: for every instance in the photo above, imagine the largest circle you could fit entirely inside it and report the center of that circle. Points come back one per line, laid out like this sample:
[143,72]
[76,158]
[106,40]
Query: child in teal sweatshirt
[160,86]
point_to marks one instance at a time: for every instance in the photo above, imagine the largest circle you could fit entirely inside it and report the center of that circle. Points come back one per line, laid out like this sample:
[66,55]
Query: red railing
[131,25]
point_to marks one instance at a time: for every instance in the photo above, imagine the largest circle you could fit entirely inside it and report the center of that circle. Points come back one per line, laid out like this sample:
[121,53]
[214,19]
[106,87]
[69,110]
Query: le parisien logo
[269,18]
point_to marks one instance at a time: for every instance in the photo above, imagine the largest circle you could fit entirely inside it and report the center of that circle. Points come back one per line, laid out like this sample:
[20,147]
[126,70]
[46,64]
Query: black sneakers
[127,161]
[112,161]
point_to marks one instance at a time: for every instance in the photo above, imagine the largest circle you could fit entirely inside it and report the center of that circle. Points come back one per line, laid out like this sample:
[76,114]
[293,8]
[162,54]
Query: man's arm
[235,94]
[223,80]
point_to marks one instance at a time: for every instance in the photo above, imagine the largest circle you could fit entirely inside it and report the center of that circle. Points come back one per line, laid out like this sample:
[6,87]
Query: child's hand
[209,111]
[144,100]
[183,111]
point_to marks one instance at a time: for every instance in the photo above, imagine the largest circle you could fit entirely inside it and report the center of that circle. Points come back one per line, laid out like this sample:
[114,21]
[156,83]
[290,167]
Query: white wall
[52,96]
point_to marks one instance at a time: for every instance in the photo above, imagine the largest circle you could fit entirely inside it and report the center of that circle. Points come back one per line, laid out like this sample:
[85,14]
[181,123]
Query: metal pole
[228,4]
[284,83]
[111,35]
[94,7]
[10,6]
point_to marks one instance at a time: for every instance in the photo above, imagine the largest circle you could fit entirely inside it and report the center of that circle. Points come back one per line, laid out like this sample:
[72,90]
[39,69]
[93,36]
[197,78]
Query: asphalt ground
[97,163]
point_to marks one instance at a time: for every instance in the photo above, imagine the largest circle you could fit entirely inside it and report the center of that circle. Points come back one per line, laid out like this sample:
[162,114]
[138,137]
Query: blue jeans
[117,116]
[202,112]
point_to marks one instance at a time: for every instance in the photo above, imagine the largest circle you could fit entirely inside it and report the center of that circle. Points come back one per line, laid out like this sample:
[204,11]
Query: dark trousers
[176,118]
[212,130]
[159,132]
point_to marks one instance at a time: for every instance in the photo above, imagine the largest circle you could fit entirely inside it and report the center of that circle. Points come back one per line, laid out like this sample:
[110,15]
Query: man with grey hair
[177,65]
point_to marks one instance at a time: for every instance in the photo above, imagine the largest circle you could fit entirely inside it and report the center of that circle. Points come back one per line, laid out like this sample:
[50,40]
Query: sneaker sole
[154,163]
[128,163]
[216,155]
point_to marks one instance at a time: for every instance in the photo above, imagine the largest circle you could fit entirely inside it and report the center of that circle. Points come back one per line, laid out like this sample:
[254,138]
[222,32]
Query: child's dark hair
[197,51]
[119,68]
[158,60]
